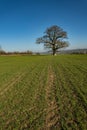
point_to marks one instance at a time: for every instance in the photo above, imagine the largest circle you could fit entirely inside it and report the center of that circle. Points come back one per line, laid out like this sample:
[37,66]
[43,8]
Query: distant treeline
[74,51]
[16,53]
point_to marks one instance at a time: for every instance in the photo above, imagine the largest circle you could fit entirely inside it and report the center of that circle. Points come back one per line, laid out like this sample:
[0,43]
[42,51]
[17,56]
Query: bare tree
[53,38]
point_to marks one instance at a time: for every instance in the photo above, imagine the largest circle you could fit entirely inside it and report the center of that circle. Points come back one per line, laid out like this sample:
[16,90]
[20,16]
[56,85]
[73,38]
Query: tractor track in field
[52,114]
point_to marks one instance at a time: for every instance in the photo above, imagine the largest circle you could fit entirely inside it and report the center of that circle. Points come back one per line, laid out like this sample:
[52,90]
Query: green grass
[43,92]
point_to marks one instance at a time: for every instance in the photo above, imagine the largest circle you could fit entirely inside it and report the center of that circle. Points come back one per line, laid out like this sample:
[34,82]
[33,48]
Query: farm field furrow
[52,114]
[43,92]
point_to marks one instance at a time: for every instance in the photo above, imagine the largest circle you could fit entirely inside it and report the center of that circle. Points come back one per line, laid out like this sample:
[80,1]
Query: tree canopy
[54,38]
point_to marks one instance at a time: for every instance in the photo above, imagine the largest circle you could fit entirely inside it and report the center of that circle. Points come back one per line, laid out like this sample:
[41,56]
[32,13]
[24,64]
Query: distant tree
[0,48]
[37,53]
[2,51]
[29,52]
[53,38]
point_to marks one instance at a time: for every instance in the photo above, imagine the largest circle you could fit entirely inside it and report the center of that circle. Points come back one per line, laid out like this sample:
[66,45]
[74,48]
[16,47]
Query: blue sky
[22,21]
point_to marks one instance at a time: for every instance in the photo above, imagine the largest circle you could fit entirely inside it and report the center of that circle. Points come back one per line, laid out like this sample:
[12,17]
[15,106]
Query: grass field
[43,92]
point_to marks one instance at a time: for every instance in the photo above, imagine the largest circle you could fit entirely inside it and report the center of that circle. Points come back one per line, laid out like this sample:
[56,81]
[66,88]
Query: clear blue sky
[22,21]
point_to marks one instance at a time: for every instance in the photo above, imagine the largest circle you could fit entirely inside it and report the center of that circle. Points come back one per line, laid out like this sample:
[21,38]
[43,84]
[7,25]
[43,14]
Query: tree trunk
[54,52]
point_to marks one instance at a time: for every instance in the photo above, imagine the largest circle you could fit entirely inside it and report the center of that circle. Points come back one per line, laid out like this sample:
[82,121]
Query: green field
[43,92]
